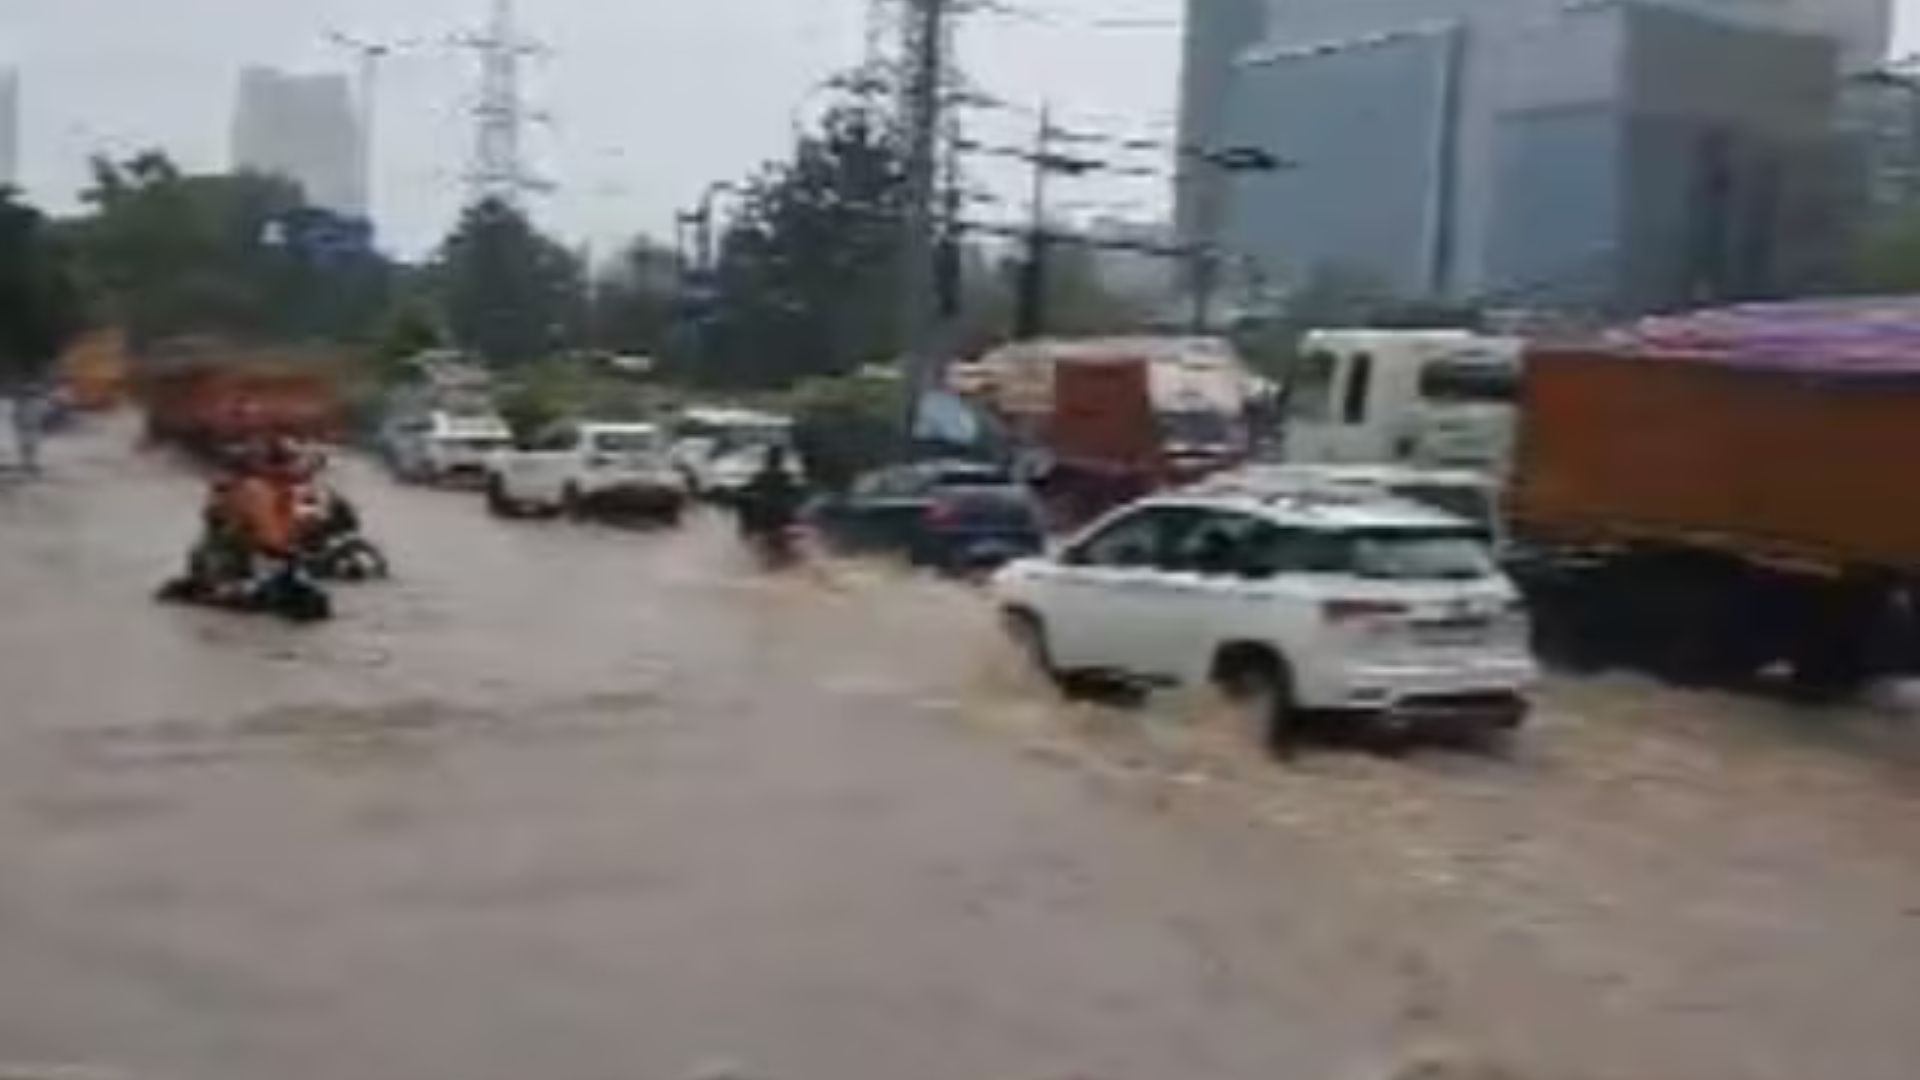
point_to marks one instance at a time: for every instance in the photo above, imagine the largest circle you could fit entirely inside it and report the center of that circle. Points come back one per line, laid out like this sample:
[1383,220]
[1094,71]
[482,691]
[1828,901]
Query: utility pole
[368,56]
[1030,314]
[925,48]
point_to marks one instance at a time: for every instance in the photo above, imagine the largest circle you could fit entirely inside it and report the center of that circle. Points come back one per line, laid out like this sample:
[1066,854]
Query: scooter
[286,591]
[332,547]
[771,530]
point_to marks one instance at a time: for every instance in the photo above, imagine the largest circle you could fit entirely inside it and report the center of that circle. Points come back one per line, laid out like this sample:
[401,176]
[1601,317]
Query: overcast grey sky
[650,99]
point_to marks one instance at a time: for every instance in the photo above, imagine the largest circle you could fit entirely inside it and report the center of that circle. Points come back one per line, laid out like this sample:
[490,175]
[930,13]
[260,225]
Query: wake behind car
[583,468]
[954,515]
[1307,605]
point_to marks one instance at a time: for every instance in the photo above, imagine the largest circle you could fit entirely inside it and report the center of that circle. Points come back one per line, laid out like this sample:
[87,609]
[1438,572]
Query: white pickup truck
[582,468]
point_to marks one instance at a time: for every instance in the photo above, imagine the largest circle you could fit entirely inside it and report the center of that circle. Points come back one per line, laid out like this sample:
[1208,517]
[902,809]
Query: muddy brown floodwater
[571,803]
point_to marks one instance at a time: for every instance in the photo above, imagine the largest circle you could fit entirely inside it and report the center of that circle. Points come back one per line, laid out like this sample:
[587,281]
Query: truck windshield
[1196,427]
[1310,387]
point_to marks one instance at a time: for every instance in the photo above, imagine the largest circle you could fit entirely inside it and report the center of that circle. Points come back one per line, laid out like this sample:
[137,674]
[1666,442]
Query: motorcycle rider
[249,522]
[771,500]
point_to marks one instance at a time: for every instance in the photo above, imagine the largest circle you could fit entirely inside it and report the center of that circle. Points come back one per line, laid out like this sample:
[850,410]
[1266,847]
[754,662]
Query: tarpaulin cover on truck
[1866,337]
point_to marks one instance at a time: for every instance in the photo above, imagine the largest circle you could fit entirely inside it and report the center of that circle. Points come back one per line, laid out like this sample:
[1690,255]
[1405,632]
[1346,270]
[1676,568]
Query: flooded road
[582,804]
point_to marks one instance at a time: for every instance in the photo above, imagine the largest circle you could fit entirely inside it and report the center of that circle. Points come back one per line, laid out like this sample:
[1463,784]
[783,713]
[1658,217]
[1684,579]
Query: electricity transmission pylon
[499,168]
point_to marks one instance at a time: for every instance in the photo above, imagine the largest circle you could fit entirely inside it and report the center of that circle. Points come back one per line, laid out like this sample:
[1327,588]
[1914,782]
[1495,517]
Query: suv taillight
[1349,611]
[942,512]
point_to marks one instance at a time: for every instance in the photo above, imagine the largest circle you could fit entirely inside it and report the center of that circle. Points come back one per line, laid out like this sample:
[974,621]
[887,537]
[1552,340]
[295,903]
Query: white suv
[586,467]
[1305,603]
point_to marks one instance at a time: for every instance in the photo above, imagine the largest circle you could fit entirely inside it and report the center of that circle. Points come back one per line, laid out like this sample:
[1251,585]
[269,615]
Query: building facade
[1485,149]
[1217,33]
[303,128]
[9,126]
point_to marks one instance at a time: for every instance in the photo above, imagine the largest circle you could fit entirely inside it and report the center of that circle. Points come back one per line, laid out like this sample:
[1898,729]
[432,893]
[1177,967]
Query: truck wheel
[1833,658]
[572,504]
[1253,677]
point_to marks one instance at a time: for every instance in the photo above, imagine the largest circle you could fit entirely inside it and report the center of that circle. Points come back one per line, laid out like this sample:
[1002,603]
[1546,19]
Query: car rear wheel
[1260,684]
[498,502]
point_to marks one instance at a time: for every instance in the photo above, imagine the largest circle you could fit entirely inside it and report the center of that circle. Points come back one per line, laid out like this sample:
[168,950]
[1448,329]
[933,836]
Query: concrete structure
[9,126]
[1217,33]
[302,127]
[1519,149]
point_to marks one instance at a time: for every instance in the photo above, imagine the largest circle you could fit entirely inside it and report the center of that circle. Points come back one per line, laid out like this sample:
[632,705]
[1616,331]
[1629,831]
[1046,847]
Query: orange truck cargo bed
[1770,464]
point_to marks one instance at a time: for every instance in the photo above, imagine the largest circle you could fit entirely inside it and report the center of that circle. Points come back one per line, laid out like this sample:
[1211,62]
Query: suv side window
[1147,537]
[1213,546]
[1231,544]
[890,484]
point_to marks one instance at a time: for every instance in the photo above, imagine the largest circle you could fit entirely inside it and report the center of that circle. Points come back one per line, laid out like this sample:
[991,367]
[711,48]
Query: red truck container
[1715,513]
[1118,417]
[207,399]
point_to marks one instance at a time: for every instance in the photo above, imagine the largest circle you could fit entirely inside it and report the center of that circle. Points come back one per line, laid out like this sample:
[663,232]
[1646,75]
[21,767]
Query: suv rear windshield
[626,442]
[1410,554]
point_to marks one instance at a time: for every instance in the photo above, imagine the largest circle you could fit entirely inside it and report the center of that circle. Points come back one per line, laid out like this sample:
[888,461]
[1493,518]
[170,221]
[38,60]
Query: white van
[1440,398]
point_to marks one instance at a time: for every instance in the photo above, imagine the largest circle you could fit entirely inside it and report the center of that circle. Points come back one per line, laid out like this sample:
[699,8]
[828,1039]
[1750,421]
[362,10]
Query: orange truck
[1717,503]
[206,402]
[94,372]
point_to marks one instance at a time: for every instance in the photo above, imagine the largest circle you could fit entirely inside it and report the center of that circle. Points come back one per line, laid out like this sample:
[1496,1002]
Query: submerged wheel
[1258,681]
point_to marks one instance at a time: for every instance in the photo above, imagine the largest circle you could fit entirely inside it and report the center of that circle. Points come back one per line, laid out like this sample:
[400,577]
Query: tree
[40,301]
[1887,257]
[170,254]
[807,271]
[511,293]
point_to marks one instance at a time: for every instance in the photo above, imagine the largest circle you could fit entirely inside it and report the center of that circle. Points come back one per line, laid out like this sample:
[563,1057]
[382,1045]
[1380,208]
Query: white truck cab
[1444,398]
[720,450]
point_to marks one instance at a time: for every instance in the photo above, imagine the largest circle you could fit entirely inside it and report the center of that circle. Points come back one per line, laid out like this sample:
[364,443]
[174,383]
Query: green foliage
[40,302]
[537,394]
[168,254]
[528,405]
[411,329]
[512,294]
[847,425]
[807,271]
[1887,257]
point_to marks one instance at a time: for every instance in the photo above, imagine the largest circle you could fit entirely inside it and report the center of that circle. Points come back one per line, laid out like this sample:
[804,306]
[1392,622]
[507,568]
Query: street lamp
[1230,162]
